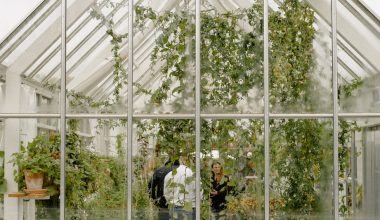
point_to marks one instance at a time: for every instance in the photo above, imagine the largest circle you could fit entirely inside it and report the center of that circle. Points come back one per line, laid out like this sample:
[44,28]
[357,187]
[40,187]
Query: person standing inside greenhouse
[156,188]
[219,191]
[179,191]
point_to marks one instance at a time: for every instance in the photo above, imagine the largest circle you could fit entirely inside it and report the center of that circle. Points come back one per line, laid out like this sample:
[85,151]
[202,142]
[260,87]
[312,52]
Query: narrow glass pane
[300,56]
[232,169]
[301,169]
[96,169]
[232,57]
[164,169]
[23,66]
[359,154]
[31,168]
[358,53]
[97,49]
[2,169]
[164,57]
[12,15]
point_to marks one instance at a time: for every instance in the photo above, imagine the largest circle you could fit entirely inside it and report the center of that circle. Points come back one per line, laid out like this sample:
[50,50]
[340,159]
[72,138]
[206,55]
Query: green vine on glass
[231,66]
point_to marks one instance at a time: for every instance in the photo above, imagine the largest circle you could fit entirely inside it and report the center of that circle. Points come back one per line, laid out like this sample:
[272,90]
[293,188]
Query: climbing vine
[231,66]
[232,73]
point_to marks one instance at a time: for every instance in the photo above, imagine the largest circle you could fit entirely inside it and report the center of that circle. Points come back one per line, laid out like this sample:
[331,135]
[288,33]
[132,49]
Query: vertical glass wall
[30,158]
[301,169]
[358,70]
[359,168]
[164,57]
[231,57]
[27,56]
[96,57]
[358,49]
[300,63]
[232,165]
[159,147]
[95,169]
[162,127]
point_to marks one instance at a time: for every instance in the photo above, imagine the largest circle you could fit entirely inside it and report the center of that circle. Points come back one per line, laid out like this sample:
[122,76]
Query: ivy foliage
[231,66]
[232,73]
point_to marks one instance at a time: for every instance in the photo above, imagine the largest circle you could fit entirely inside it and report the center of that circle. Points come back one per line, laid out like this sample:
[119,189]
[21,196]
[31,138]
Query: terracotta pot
[33,180]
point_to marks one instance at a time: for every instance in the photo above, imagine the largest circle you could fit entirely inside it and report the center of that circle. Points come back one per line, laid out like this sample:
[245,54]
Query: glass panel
[372,6]
[358,52]
[301,169]
[300,57]
[160,142]
[164,57]
[96,169]
[32,30]
[13,14]
[31,168]
[2,163]
[232,57]
[232,169]
[359,174]
[25,63]
[97,57]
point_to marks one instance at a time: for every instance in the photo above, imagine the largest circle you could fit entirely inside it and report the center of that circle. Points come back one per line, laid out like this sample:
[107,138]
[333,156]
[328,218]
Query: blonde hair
[219,178]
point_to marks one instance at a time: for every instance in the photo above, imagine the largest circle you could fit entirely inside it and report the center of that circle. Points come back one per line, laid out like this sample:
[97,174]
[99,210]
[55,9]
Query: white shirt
[179,189]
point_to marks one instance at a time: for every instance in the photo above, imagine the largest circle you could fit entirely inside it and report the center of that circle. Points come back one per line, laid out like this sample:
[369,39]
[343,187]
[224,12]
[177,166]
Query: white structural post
[11,142]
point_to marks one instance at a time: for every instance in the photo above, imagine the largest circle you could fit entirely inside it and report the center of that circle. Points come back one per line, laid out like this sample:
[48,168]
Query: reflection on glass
[359,177]
[300,60]
[232,169]
[301,169]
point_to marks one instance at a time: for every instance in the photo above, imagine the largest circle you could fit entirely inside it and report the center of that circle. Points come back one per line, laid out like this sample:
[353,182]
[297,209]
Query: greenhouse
[190,109]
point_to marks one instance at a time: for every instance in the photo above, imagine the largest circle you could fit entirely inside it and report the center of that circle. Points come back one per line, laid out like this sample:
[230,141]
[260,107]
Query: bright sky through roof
[12,13]
[374,5]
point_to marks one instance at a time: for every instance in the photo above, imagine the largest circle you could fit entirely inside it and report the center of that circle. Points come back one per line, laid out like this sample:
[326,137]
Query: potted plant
[37,161]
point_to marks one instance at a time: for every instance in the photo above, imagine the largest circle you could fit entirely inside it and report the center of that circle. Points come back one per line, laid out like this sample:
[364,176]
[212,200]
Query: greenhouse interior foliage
[95,95]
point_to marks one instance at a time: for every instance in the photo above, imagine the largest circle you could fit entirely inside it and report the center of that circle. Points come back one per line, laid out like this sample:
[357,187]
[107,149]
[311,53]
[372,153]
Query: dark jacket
[218,201]
[156,186]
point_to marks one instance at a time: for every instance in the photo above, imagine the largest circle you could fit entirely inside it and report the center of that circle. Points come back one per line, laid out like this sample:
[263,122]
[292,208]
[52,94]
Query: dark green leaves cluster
[291,53]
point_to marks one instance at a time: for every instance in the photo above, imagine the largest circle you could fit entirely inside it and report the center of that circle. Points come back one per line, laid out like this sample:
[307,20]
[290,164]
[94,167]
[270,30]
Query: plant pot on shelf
[33,180]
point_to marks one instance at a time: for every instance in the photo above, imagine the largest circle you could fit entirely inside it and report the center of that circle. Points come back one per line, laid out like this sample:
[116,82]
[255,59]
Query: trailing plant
[232,74]
[231,66]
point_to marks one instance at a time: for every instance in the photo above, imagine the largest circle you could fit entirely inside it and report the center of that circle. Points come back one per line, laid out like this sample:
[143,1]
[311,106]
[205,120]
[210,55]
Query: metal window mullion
[353,172]
[266,112]
[192,116]
[130,109]
[197,107]
[63,111]
[335,106]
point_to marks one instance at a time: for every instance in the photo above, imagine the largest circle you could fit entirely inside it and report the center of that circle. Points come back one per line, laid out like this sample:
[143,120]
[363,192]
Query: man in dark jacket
[156,188]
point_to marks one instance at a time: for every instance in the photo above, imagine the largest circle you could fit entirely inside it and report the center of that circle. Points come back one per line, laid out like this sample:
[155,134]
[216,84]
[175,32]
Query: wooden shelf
[22,195]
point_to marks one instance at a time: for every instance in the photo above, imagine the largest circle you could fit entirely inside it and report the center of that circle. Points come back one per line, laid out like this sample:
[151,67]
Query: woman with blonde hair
[219,191]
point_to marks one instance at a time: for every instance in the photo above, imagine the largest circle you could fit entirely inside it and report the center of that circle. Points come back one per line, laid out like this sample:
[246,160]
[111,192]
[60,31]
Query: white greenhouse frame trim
[62,189]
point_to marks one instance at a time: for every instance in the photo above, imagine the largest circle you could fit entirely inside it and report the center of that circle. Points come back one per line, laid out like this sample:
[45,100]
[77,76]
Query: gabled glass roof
[33,49]
[373,6]
[13,13]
